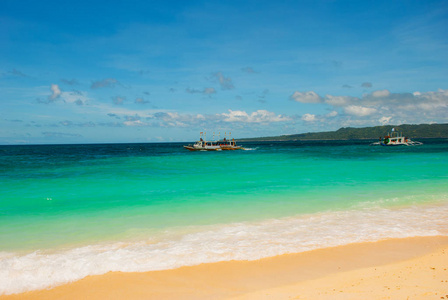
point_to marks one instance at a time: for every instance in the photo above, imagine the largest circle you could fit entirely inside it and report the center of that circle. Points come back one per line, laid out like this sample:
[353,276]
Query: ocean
[69,211]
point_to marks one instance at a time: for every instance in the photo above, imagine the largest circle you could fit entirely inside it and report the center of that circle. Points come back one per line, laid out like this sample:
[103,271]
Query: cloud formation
[108,82]
[306,97]
[134,120]
[338,100]
[359,111]
[381,94]
[259,116]
[167,119]
[68,123]
[114,116]
[309,118]
[379,107]
[76,97]
[118,100]
[205,91]
[225,82]
[55,92]
[140,100]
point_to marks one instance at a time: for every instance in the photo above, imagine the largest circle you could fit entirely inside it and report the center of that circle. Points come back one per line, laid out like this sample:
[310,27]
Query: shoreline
[366,270]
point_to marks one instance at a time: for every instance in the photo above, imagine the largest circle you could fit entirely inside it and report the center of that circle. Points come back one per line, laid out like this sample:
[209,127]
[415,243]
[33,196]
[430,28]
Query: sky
[164,71]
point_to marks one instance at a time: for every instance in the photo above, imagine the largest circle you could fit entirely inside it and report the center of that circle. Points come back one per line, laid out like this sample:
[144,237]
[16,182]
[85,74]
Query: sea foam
[204,244]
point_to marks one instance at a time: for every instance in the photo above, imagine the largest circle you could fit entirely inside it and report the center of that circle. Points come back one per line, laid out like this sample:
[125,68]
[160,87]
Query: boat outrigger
[395,138]
[220,145]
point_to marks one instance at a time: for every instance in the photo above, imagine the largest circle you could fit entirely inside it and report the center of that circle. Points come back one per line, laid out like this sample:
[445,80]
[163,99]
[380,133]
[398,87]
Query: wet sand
[412,268]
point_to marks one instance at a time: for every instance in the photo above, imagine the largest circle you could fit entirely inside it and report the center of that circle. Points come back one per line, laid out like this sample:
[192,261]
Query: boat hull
[232,148]
[383,144]
[190,148]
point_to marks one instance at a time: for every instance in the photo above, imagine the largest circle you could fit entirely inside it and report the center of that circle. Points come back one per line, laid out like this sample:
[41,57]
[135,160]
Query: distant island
[350,133]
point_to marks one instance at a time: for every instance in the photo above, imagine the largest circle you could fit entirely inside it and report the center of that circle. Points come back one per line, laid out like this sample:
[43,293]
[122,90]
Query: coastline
[416,267]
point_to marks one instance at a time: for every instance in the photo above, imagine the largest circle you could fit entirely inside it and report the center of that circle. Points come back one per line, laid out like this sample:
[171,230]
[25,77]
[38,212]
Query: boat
[395,138]
[229,145]
[220,145]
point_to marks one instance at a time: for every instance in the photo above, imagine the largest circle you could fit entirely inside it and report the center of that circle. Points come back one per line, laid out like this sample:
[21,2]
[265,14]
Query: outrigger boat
[394,138]
[220,145]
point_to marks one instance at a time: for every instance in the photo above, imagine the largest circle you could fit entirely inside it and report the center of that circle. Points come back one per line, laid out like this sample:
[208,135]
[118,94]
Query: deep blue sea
[68,211]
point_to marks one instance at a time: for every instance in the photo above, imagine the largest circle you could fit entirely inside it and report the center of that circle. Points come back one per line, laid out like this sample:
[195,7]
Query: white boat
[202,145]
[395,138]
[220,145]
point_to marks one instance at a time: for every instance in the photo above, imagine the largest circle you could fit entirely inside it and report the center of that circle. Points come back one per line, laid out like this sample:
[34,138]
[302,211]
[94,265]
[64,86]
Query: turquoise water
[136,207]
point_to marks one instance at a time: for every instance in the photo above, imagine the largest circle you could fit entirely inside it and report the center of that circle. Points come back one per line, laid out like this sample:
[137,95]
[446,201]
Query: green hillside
[349,133]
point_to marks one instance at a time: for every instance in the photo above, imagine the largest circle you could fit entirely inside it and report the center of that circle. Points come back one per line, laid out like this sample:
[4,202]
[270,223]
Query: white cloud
[259,116]
[309,117]
[376,108]
[76,97]
[439,97]
[134,123]
[345,111]
[174,119]
[359,111]
[235,116]
[339,100]
[306,97]
[381,93]
[384,120]
[382,107]
[209,91]
[56,92]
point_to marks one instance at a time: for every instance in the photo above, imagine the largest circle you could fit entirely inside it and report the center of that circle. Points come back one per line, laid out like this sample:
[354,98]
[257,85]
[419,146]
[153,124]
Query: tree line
[350,133]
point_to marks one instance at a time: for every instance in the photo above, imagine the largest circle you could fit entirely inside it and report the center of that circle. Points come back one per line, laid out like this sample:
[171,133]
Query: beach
[155,220]
[412,268]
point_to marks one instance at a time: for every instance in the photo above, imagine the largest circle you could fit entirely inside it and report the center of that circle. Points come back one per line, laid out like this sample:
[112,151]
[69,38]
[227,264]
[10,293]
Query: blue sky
[162,71]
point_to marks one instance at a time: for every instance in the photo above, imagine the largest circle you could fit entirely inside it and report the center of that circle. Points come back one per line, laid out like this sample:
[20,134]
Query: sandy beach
[412,268]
